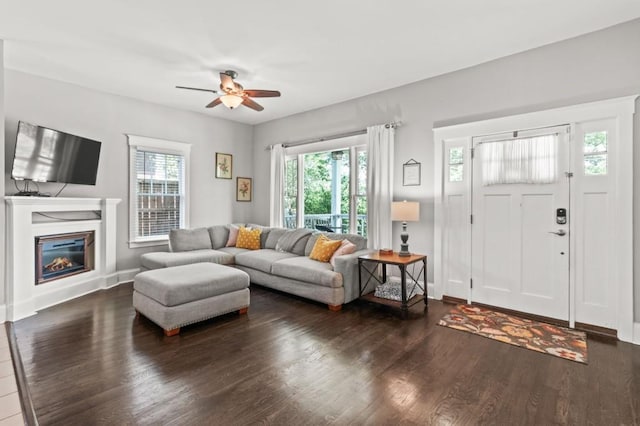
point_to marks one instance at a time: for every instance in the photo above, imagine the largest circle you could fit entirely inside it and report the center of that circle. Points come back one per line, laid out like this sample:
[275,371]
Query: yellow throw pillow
[324,248]
[249,238]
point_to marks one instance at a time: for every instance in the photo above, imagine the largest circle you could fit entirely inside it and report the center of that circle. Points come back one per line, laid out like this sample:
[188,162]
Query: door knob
[560,232]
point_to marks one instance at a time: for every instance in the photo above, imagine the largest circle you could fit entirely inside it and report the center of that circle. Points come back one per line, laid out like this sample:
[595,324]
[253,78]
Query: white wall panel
[496,253]
[595,287]
[537,279]
[596,251]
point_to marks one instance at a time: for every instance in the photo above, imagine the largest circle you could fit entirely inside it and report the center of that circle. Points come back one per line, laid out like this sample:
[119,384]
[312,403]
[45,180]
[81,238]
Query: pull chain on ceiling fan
[234,94]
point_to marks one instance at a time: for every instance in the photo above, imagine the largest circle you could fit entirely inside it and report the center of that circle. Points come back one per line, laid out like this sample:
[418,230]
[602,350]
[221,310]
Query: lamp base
[404,250]
[404,247]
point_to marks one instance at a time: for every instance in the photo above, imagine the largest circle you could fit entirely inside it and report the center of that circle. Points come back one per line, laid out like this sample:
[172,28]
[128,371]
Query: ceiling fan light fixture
[231,101]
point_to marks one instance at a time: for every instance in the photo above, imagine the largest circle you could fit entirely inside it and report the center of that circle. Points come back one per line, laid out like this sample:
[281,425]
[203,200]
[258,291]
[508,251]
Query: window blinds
[159,192]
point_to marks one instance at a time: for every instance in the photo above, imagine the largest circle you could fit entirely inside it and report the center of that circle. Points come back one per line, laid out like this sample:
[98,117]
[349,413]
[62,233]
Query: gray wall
[107,118]
[600,65]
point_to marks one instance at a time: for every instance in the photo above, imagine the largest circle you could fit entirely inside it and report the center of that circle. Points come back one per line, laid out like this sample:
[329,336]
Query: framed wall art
[411,173]
[243,189]
[224,165]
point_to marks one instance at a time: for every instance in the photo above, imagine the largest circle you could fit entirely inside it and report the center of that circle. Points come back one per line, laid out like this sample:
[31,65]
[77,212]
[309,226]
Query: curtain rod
[515,133]
[393,125]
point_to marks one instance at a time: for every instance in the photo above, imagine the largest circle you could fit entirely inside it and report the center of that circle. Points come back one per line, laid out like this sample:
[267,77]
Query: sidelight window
[456,164]
[595,153]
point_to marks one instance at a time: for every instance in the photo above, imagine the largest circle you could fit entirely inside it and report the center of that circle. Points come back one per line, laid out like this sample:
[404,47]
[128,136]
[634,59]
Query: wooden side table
[401,262]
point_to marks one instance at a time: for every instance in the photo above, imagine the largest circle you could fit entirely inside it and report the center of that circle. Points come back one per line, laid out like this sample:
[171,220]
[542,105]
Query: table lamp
[405,211]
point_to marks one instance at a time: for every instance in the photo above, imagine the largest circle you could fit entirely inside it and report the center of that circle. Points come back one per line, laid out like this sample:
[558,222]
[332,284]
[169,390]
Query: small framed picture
[243,189]
[411,173]
[224,165]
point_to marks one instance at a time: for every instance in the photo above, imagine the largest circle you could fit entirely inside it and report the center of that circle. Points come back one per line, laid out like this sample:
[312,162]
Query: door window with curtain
[528,160]
[158,189]
[326,190]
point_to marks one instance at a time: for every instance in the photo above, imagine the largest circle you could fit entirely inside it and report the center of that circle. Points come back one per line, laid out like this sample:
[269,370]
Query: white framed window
[326,186]
[158,189]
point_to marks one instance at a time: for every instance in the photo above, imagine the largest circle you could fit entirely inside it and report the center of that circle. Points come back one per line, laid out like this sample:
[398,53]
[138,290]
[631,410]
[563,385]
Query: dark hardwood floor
[294,362]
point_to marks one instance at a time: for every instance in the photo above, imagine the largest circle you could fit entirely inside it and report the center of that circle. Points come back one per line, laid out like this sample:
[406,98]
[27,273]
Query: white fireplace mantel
[23,297]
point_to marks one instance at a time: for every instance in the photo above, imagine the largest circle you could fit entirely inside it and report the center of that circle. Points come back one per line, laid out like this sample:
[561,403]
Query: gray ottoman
[180,295]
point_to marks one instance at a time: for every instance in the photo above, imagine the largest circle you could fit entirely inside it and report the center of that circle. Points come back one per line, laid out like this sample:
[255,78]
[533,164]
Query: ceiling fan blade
[248,102]
[226,82]
[262,93]
[196,88]
[215,102]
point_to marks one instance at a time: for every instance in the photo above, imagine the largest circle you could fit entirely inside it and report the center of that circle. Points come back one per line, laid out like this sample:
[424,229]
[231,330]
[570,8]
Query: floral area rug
[537,336]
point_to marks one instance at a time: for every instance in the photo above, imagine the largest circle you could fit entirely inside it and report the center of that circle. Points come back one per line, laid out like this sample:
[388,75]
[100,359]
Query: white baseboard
[431,290]
[3,313]
[636,333]
[127,275]
[55,297]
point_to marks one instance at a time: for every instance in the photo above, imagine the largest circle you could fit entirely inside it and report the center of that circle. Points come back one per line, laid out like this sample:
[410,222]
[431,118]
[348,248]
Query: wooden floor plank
[291,361]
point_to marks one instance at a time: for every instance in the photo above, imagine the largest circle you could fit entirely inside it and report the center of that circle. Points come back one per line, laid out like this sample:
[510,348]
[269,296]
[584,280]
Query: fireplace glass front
[62,255]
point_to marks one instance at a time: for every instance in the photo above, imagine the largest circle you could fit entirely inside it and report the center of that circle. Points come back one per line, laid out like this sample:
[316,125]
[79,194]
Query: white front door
[520,247]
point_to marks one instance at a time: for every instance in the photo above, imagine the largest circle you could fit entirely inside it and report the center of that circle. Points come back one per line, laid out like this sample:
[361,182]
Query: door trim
[620,108]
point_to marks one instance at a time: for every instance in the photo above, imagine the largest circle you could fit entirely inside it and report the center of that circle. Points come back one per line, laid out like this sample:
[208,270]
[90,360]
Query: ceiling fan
[234,94]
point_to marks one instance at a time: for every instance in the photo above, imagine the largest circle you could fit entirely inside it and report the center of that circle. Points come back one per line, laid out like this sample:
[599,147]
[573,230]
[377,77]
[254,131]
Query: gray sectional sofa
[281,263]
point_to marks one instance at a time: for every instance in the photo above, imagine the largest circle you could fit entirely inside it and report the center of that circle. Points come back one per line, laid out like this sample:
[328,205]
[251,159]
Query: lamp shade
[231,101]
[405,211]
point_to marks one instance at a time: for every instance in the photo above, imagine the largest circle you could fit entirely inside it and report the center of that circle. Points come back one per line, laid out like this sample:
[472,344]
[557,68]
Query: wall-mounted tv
[47,155]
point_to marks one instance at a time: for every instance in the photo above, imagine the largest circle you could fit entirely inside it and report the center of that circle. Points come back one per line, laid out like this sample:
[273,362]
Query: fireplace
[62,255]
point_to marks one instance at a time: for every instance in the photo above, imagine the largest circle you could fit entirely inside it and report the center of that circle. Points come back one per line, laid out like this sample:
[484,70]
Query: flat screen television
[47,155]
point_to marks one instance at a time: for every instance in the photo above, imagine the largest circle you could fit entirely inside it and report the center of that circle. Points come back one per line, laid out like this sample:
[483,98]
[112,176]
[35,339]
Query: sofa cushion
[249,238]
[189,239]
[233,251]
[263,237]
[346,247]
[358,240]
[261,260]
[273,237]
[163,259]
[186,283]
[219,235]
[294,241]
[233,236]
[324,248]
[304,269]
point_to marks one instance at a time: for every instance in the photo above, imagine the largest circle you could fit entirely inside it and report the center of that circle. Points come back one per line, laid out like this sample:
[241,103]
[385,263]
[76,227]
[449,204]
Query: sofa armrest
[347,265]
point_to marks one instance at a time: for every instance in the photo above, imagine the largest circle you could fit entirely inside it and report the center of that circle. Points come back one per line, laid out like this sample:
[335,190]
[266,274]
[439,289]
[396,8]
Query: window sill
[149,243]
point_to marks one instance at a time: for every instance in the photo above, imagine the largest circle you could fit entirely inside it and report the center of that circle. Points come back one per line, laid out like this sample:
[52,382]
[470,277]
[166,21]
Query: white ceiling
[316,53]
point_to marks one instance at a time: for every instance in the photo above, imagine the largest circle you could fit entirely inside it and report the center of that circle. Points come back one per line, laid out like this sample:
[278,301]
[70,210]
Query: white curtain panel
[380,142]
[276,212]
[526,160]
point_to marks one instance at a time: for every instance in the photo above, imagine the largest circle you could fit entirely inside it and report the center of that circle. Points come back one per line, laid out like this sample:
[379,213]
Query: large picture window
[158,189]
[327,190]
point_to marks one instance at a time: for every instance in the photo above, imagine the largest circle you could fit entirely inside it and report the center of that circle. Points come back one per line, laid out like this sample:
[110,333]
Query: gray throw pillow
[273,237]
[219,235]
[189,239]
[294,241]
